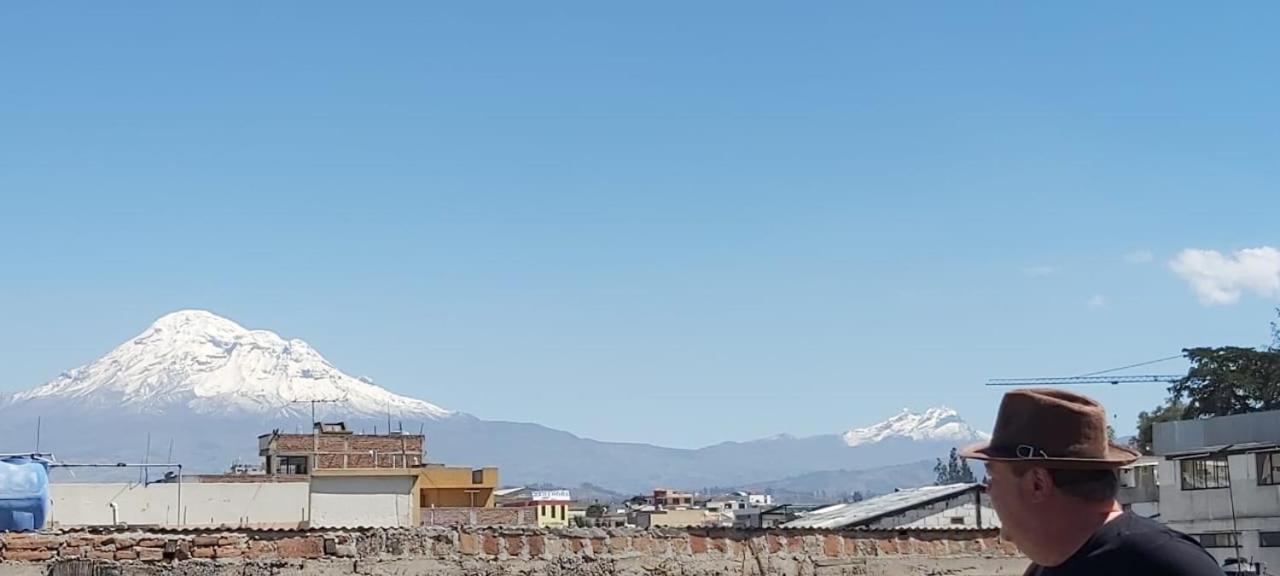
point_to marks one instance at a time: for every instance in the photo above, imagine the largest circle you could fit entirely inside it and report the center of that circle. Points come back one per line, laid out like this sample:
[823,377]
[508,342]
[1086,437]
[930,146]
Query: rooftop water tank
[24,493]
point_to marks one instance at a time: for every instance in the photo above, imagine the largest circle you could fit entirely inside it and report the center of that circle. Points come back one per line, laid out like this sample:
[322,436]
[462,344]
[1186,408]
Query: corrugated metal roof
[1222,449]
[841,515]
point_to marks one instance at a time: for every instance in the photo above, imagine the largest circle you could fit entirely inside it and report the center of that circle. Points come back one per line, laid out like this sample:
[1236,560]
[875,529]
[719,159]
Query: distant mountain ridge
[211,386]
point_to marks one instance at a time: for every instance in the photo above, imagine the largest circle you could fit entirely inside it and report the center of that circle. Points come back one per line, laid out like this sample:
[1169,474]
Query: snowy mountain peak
[210,364]
[934,425]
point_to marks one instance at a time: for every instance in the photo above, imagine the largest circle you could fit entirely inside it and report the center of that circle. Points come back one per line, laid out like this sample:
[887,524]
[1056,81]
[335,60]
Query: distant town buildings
[332,477]
[335,477]
[669,499]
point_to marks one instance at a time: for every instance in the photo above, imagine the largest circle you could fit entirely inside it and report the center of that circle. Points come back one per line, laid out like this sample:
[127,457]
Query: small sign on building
[550,495]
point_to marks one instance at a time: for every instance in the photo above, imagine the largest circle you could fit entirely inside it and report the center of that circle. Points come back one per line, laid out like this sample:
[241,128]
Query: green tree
[955,471]
[1228,380]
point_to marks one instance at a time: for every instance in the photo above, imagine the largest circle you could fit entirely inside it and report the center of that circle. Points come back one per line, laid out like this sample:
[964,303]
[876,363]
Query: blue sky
[734,219]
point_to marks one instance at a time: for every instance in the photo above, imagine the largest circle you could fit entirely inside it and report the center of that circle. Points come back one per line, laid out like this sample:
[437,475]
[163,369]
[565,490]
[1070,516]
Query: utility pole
[1231,494]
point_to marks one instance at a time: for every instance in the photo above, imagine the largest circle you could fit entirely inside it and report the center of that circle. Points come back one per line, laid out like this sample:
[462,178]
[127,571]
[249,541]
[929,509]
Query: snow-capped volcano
[209,364]
[935,424]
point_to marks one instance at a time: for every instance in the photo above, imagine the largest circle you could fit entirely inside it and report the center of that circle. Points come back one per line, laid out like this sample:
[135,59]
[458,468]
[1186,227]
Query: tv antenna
[315,401]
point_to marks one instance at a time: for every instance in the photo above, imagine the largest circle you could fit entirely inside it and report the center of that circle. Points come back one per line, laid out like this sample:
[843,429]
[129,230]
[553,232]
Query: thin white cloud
[1096,302]
[1040,271]
[1219,279]
[1139,257]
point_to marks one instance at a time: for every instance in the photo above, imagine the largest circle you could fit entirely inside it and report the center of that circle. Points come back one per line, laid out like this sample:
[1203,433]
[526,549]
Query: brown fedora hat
[1051,428]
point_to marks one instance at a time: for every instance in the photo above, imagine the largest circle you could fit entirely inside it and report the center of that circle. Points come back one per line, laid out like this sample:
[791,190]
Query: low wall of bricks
[475,551]
[523,516]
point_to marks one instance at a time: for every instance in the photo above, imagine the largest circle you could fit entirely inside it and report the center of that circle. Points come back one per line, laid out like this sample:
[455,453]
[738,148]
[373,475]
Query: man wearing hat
[1053,482]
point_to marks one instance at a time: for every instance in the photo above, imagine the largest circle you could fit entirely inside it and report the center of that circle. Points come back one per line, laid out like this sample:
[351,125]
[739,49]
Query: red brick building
[331,446]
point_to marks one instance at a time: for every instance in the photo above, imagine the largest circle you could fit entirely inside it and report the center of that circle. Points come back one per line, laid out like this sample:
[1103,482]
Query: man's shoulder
[1146,544]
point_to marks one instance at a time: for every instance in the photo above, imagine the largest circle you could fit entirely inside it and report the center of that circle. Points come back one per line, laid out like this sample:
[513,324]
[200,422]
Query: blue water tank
[24,493]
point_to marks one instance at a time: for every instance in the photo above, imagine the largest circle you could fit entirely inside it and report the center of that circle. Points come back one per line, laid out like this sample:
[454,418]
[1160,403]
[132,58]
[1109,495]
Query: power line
[1147,363]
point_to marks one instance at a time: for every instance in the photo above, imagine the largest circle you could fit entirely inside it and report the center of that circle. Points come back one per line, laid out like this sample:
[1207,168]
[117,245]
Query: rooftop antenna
[315,401]
[315,430]
[37,434]
[169,459]
[146,459]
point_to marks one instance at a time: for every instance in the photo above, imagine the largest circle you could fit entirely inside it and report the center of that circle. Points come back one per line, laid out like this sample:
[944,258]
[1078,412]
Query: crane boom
[1079,380]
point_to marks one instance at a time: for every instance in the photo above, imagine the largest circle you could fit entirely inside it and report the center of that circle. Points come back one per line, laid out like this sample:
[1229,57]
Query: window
[293,464]
[1269,539]
[1218,540]
[477,476]
[1204,473]
[957,520]
[1268,468]
[1137,476]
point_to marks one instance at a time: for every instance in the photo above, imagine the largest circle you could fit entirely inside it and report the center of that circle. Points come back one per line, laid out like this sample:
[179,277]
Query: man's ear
[1038,484]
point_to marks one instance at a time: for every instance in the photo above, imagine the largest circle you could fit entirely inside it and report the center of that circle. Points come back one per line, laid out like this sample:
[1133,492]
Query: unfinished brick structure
[333,447]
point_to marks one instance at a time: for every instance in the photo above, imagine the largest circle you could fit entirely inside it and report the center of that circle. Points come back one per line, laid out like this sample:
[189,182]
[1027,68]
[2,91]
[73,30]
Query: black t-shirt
[1135,546]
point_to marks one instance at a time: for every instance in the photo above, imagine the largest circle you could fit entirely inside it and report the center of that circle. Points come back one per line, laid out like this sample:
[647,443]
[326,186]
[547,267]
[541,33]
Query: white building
[1140,487]
[1219,481]
[329,499]
[952,506]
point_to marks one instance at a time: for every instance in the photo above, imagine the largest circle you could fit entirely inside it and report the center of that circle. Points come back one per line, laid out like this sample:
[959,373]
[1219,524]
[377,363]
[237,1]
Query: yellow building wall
[550,515]
[455,487]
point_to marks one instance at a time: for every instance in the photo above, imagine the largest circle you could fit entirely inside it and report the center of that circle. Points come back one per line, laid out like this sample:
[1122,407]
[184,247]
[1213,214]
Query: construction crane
[1080,380]
[1100,377]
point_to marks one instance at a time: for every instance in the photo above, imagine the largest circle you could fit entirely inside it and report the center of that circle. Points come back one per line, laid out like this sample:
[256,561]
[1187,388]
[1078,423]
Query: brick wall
[354,450]
[441,516]
[514,550]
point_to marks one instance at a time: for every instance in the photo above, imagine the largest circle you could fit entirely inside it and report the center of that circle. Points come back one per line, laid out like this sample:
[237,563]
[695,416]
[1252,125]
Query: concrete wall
[377,501]
[458,552]
[202,504]
[967,513]
[1182,435]
[1257,508]
[679,518]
